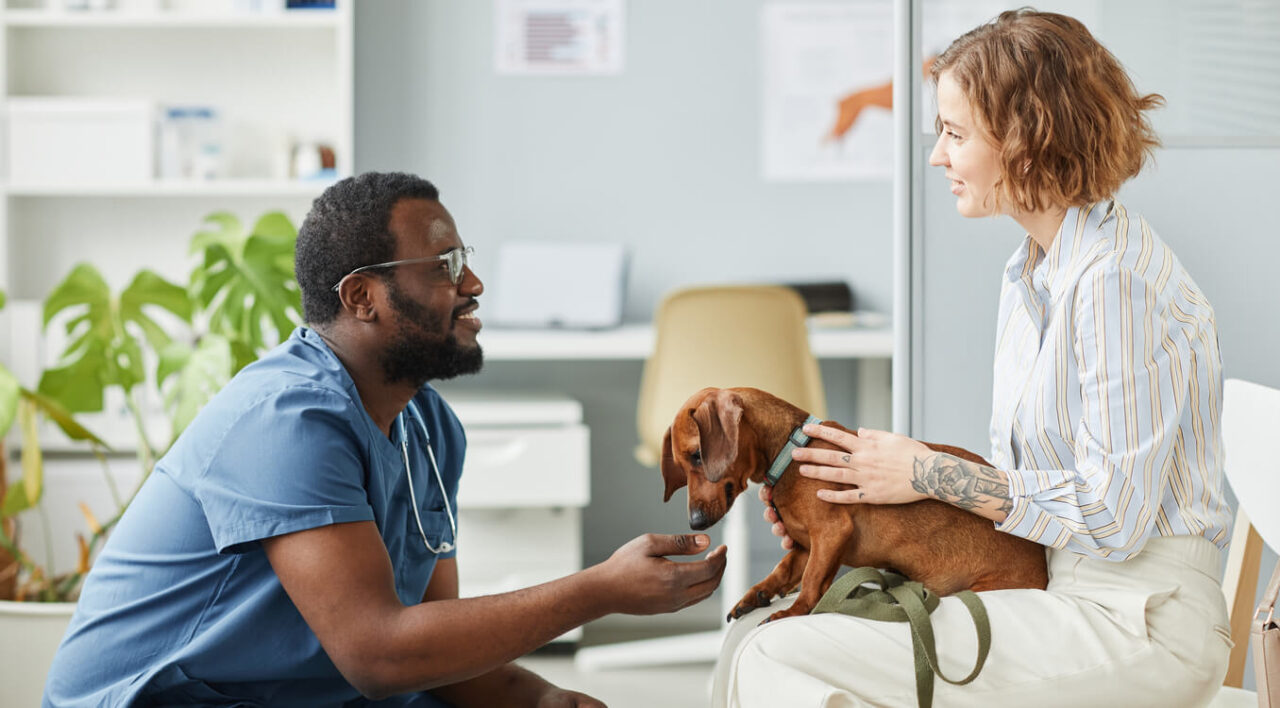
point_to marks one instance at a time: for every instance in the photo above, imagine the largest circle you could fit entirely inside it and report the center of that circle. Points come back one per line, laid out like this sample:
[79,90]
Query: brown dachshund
[723,438]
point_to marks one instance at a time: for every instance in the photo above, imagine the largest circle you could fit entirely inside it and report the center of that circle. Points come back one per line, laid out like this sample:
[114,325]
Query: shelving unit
[273,77]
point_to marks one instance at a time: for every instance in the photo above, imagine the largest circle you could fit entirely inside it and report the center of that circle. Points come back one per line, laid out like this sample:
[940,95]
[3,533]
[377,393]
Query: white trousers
[1149,631]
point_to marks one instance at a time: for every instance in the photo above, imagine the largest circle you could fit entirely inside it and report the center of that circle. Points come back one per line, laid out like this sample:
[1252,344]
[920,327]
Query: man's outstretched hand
[644,582]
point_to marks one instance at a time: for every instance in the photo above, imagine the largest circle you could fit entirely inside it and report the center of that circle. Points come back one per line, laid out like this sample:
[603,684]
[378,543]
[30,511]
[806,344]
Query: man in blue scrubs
[296,546]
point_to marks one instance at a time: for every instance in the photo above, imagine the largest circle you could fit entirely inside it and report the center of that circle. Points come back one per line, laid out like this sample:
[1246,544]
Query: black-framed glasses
[457,260]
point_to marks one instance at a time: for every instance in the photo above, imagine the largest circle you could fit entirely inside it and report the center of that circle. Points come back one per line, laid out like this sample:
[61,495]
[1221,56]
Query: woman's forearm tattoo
[960,483]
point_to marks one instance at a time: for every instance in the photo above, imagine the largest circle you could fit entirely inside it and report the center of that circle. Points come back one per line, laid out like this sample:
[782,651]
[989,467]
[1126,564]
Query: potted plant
[241,298]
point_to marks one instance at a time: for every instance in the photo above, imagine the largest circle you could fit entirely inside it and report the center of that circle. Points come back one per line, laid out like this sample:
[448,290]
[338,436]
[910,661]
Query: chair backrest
[725,336]
[1250,416]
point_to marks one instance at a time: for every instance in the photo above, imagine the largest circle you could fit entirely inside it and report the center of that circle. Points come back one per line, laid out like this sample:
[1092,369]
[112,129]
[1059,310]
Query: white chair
[722,336]
[1250,420]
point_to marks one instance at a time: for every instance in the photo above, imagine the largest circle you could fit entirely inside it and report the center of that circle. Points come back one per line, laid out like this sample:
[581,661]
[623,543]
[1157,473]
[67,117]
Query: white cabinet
[524,484]
[275,86]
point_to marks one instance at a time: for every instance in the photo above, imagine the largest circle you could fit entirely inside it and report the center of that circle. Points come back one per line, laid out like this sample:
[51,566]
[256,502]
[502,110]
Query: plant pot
[29,635]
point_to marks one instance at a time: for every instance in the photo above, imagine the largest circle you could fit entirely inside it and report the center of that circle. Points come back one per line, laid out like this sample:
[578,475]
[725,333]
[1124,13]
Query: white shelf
[159,188]
[636,342]
[289,19]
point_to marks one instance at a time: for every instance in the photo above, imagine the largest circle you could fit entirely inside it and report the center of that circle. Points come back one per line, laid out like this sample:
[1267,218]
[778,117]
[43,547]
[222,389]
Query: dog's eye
[696,457]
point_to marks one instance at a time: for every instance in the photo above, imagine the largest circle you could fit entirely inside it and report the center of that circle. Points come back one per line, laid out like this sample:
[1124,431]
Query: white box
[70,141]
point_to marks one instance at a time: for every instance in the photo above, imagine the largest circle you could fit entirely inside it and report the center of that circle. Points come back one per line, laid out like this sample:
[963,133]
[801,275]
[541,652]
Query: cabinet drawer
[526,467]
[500,550]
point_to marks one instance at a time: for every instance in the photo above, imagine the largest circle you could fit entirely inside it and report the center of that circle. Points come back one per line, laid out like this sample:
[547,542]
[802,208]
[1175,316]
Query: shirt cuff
[1024,515]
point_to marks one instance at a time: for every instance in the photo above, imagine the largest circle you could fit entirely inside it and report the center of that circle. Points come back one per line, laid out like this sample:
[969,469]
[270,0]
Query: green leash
[900,600]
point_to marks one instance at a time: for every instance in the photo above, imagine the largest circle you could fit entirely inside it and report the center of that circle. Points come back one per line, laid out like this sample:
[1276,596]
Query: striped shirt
[1108,391]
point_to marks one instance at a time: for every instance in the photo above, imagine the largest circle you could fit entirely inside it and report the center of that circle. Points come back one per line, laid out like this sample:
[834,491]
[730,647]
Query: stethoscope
[404,451]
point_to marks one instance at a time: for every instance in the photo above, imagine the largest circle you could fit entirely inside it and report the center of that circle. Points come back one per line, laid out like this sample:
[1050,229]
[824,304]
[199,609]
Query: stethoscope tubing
[413,497]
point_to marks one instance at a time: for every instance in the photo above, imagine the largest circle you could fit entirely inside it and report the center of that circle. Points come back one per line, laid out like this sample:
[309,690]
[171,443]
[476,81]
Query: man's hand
[560,698]
[644,582]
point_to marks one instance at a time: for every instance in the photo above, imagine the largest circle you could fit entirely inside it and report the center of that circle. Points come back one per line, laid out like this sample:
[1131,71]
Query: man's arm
[508,684]
[341,580]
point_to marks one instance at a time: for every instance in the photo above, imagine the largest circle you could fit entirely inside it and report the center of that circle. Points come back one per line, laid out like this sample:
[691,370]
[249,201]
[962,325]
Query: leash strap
[897,599]
[783,460]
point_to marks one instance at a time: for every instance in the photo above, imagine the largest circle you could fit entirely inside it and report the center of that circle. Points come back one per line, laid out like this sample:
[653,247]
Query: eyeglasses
[457,259]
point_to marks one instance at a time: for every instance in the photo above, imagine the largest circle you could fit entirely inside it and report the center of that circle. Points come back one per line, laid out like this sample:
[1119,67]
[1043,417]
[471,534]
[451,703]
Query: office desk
[635,341]
[869,348]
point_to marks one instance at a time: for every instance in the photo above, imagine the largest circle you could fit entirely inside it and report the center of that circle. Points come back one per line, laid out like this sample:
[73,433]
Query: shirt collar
[1079,233]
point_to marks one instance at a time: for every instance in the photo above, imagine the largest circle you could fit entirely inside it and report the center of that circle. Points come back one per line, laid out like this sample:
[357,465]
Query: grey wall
[664,158]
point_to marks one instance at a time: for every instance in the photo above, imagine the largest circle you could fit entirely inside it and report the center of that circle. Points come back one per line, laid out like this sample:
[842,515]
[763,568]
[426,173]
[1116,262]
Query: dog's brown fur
[723,438]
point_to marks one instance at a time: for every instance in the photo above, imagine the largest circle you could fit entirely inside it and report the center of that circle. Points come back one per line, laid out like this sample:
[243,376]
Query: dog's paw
[752,600]
[783,614]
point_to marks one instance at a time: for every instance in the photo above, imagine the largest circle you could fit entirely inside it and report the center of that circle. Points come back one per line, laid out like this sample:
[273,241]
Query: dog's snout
[698,520]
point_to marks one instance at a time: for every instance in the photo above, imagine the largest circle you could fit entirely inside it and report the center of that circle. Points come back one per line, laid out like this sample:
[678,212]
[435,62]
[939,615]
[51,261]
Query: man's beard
[416,356]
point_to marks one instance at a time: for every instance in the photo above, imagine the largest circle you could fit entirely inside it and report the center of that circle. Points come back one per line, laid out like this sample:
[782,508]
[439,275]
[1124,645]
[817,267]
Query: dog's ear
[672,474]
[718,418]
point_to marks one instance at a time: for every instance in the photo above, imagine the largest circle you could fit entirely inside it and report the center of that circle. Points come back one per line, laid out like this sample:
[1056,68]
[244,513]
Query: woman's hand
[771,515]
[880,464]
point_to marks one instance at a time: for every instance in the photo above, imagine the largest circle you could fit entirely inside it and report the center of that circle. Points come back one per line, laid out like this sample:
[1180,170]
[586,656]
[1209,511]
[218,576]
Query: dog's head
[709,448]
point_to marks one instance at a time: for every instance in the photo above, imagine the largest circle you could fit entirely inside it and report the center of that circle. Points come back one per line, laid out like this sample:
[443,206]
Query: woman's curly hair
[1068,121]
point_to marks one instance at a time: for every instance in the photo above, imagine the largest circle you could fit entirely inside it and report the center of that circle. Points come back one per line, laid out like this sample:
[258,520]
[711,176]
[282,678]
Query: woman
[1105,431]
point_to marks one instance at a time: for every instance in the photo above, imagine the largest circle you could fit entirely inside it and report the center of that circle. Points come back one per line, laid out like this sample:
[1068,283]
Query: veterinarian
[297,546]
[1105,432]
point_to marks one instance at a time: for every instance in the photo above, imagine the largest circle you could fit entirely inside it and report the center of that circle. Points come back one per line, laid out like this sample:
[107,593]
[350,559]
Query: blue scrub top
[182,606]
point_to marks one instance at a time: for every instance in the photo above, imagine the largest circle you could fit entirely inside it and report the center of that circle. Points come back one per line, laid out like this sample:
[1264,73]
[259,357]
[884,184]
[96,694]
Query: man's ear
[672,474]
[356,296]
[718,418]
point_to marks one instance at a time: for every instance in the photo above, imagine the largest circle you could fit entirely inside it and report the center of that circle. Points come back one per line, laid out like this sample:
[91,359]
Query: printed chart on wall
[827,70]
[559,37]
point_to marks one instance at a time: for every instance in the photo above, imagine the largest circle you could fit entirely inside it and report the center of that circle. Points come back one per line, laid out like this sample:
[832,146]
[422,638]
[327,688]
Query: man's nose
[471,284]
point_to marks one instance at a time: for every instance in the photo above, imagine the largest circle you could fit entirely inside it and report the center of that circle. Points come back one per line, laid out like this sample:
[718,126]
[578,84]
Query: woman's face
[972,161]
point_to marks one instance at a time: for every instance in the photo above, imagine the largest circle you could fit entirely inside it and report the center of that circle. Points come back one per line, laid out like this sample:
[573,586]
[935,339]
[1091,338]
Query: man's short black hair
[348,227]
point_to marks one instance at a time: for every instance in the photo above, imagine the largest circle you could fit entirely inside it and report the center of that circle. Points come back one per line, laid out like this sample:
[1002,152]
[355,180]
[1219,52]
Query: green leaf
[227,232]
[148,288]
[172,359]
[246,282]
[103,352]
[275,225]
[15,501]
[62,418]
[1,299]
[78,386]
[203,373]
[8,399]
[83,286]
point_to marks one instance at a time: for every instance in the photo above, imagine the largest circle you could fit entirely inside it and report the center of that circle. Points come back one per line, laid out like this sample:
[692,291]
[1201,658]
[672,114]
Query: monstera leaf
[246,280]
[105,349]
[197,374]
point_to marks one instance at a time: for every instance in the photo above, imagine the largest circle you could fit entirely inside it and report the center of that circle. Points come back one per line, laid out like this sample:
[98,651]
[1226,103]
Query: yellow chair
[722,336]
[727,336]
